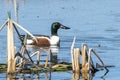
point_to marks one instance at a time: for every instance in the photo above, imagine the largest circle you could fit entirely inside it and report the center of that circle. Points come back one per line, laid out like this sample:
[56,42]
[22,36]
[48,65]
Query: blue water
[94,22]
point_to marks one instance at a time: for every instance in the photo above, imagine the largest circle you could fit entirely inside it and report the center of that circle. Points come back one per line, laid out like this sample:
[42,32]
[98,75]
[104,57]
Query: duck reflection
[51,52]
[54,53]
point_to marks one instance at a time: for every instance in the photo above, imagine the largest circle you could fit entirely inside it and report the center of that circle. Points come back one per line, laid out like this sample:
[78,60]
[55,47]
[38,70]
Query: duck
[47,41]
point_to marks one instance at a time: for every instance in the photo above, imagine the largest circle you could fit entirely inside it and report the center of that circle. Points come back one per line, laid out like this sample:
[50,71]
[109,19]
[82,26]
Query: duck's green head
[55,26]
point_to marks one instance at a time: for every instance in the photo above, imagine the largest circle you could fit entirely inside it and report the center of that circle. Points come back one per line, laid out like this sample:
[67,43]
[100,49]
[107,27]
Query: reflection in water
[29,76]
[76,76]
[11,77]
[37,76]
[48,76]
[83,76]
[14,5]
[54,52]
[86,76]
[10,2]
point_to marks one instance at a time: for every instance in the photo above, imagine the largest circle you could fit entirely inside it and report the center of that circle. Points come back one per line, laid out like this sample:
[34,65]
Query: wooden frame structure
[11,63]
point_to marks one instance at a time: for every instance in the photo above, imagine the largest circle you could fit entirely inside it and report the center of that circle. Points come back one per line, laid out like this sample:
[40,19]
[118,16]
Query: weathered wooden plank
[10,48]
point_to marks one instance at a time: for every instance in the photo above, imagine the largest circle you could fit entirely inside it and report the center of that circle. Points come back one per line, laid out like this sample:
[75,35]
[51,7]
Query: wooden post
[77,60]
[10,48]
[83,58]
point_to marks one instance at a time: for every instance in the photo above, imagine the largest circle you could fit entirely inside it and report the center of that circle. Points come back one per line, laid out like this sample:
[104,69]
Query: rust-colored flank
[41,42]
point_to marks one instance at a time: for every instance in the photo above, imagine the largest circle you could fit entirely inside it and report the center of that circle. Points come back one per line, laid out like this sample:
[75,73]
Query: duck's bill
[64,27]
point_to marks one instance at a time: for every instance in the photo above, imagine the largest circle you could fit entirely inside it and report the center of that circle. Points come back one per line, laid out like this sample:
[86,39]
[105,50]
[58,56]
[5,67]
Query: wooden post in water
[76,64]
[84,58]
[76,60]
[11,61]
[10,48]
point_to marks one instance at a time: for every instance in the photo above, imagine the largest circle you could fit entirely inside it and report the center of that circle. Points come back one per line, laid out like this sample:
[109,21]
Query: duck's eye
[57,24]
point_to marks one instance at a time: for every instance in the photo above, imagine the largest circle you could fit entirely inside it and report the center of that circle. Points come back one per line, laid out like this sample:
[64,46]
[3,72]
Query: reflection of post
[16,10]
[86,76]
[10,76]
[37,76]
[47,76]
[8,2]
[23,77]
[54,53]
[76,76]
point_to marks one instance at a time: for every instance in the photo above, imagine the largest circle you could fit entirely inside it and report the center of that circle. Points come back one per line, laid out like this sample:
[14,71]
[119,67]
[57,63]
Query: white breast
[54,40]
[29,41]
